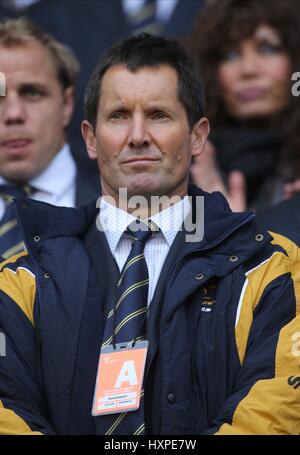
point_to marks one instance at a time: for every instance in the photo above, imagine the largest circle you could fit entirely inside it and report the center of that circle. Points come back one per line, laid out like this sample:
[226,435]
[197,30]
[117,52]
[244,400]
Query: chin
[139,190]
[23,175]
[262,112]
[141,185]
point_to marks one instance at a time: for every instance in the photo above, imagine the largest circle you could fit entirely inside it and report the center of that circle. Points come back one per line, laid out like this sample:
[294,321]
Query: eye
[32,93]
[117,115]
[230,54]
[158,115]
[269,48]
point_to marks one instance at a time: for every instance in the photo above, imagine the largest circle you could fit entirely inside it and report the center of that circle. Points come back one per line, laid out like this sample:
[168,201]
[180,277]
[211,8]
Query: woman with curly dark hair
[248,51]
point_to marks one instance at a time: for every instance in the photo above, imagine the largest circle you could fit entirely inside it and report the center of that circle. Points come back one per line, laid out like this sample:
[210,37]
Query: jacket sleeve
[266,397]
[21,399]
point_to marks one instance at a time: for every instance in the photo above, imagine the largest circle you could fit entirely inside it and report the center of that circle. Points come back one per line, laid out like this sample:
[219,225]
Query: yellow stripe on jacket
[19,284]
[12,424]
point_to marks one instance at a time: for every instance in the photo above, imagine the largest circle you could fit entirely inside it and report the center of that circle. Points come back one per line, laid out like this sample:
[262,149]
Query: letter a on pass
[127,374]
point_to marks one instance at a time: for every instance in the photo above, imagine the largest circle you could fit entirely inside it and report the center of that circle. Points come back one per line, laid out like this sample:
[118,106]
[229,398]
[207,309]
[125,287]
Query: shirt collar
[171,219]
[164,9]
[114,221]
[50,180]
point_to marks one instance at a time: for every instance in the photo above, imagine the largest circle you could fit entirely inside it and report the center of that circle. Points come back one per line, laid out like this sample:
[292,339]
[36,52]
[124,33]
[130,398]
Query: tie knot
[144,19]
[141,230]
[8,192]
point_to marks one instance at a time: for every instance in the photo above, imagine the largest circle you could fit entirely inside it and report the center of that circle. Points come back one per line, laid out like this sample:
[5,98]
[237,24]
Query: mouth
[251,93]
[140,160]
[16,143]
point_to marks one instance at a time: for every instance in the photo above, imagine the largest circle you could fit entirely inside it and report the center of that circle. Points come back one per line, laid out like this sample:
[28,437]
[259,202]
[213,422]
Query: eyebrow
[32,85]
[159,105]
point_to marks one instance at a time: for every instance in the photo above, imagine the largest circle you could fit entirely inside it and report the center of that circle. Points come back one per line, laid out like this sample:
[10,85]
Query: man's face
[142,138]
[33,113]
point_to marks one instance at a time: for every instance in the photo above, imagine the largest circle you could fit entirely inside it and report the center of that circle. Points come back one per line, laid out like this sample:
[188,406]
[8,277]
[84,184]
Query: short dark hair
[144,50]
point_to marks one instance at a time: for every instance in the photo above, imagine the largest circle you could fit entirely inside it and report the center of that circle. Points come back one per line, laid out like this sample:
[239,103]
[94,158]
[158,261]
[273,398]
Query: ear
[89,137]
[200,132]
[68,105]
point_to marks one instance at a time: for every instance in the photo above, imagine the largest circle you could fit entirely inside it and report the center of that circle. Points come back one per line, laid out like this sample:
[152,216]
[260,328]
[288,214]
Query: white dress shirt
[115,221]
[164,8]
[56,184]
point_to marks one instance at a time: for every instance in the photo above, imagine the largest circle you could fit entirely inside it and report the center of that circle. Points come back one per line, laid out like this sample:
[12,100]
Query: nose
[138,135]
[12,110]
[249,63]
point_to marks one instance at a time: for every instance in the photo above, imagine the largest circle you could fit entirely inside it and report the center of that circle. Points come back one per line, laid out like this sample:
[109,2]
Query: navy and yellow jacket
[224,353]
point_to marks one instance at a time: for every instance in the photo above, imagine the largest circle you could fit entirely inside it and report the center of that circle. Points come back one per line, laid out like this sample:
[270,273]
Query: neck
[143,207]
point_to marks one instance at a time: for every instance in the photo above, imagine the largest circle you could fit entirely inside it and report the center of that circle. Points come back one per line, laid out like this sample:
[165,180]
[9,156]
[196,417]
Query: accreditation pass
[119,378]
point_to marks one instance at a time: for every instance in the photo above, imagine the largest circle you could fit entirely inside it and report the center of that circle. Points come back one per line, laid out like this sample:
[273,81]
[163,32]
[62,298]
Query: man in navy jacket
[222,323]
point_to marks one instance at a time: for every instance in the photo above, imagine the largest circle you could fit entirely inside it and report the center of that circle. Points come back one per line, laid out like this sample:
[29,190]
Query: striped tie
[127,320]
[11,241]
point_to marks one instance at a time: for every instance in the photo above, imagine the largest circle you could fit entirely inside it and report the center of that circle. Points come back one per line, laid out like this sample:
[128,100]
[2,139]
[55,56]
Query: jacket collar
[41,222]
[217,220]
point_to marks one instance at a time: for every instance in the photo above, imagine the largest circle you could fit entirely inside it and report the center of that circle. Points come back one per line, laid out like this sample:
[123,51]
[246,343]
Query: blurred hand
[289,189]
[206,175]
